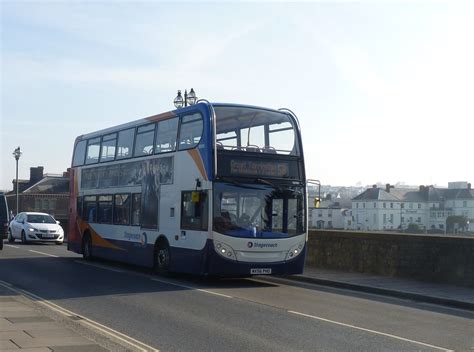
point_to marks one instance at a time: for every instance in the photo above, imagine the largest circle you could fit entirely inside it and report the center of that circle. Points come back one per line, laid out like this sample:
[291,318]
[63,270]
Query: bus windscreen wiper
[269,183]
[236,183]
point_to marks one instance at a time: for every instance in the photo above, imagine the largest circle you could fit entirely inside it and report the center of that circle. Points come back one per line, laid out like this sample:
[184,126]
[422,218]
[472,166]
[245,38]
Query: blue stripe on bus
[197,262]
[207,152]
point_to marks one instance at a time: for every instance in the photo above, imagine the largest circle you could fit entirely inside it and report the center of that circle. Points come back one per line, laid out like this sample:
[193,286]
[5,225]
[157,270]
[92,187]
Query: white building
[427,207]
[331,215]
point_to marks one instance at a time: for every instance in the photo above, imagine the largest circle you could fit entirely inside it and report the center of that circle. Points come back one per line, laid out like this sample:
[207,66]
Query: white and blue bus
[209,189]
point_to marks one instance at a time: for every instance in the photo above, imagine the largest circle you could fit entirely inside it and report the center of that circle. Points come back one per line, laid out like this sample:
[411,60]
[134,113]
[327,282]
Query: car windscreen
[40,219]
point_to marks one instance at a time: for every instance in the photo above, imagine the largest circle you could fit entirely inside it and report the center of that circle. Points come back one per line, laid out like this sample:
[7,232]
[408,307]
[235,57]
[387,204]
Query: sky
[383,90]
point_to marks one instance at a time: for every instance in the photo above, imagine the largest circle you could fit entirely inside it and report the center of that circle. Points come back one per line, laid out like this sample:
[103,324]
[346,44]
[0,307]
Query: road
[181,313]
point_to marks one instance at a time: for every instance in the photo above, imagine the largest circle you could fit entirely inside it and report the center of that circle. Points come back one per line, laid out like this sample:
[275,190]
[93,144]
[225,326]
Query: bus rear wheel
[87,247]
[162,258]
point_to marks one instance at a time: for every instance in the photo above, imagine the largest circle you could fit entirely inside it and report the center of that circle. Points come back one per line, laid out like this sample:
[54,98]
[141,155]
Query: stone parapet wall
[435,258]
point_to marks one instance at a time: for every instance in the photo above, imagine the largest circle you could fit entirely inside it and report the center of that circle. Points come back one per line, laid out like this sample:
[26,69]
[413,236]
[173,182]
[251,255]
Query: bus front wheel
[162,257]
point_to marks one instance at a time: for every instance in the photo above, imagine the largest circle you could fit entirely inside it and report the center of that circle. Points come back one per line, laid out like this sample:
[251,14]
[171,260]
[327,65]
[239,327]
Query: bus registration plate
[260,271]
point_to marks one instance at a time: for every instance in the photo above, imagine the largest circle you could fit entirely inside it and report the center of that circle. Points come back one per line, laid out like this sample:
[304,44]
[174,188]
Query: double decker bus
[209,189]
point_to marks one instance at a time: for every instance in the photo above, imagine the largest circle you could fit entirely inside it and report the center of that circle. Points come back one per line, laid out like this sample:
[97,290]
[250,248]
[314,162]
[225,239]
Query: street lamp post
[17,153]
[317,201]
[189,99]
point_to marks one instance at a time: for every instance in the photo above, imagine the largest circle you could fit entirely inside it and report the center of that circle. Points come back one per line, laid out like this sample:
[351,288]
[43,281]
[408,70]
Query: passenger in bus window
[91,215]
[149,197]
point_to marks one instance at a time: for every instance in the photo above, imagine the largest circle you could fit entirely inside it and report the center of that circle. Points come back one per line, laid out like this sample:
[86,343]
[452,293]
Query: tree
[413,228]
[456,223]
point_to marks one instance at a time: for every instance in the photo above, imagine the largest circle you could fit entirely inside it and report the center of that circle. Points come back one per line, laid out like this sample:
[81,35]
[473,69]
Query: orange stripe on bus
[159,117]
[198,161]
[97,240]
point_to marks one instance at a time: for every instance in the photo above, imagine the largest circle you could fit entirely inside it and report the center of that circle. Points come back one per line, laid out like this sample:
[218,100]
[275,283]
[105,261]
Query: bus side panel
[190,261]
[128,253]
[218,265]
[74,238]
[182,260]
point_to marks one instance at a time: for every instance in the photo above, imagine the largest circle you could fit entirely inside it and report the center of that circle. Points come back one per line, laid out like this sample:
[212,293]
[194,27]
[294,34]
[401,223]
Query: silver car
[35,227]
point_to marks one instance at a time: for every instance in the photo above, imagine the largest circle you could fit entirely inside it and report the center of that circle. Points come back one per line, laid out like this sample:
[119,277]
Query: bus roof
[163,116]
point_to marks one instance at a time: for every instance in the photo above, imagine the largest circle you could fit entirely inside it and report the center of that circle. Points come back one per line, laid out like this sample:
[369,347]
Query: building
[331,214]
[45,193]
[427,208]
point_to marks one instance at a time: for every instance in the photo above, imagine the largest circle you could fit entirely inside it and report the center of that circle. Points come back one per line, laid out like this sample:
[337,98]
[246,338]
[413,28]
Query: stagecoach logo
[261,245]
[139,239]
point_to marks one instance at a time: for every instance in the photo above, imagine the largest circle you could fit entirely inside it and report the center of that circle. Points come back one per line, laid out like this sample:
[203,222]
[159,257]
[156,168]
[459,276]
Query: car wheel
[23,238]
[11,239]
[87,247]
[59,243]
[162,257]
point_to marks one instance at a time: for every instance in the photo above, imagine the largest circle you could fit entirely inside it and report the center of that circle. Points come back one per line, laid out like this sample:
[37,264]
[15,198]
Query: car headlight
[31,229]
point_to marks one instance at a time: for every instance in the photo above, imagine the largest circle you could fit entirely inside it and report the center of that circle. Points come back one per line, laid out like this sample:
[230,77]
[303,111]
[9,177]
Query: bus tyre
[23,238]
[162,257]
[87,247]
[10,237]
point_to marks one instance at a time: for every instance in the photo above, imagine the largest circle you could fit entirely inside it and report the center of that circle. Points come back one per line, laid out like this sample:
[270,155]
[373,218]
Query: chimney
[387,187]
[422,188]
[36,174]
[374,186]
[469,186]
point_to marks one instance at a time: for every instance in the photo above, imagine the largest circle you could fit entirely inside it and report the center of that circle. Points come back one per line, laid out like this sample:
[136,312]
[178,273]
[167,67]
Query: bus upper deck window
[93,149]
[144,140]
[125,143]
[166,134]
[108,147]
[190,131]
[79,153]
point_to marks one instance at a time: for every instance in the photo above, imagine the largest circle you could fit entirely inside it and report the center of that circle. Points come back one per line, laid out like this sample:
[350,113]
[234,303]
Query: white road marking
[10,245]
[5,283]
[191,287]
[99,266]
[213,293]
[49,255]
[371,331]
[85,321]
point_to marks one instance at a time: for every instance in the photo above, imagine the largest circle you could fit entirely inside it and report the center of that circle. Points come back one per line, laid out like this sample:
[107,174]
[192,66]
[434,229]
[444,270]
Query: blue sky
[383,90]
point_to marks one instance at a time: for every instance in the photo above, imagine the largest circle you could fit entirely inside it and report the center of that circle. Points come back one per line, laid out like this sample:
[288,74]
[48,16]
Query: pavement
[429,292]
[28,327]
[25,325]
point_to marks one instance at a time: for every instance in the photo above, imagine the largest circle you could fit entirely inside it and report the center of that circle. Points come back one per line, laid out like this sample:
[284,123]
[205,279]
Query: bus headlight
[295,251]
[224,250]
